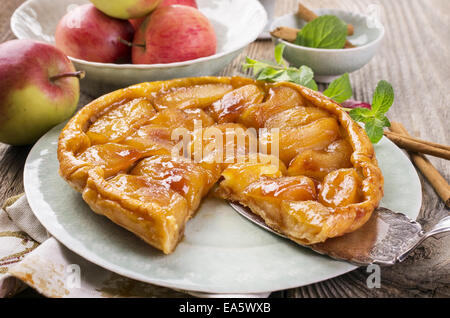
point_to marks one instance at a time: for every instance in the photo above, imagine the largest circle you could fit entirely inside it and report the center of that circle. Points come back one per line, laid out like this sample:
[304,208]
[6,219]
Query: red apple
[191,3]
[88,34]
[39,88]
[173,34]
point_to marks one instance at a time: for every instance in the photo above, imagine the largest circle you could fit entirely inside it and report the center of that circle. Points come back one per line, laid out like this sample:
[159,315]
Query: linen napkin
[30,256]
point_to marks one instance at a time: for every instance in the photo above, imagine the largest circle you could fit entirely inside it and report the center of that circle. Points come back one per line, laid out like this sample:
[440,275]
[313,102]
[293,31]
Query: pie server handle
[387,238]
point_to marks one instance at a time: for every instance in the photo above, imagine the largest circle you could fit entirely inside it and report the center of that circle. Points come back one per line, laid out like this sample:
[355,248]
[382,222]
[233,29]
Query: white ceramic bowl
[329,63]
[236,23]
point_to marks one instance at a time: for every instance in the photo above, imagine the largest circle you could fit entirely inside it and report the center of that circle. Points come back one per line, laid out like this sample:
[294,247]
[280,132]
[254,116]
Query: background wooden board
[415,58]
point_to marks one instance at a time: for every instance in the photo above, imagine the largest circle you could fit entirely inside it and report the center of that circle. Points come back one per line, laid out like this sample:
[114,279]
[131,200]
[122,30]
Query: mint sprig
[281,72]
[324,32]
[374,118]
[340,89]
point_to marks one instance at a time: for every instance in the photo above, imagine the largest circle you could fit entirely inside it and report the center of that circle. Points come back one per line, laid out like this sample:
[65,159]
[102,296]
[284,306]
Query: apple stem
[79,74]
[128,43]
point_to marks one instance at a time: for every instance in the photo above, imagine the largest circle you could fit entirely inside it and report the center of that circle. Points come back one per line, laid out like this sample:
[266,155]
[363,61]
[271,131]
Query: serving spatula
[387,238]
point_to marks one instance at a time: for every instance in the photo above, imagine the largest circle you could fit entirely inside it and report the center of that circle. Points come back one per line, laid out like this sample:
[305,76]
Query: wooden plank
[415,58]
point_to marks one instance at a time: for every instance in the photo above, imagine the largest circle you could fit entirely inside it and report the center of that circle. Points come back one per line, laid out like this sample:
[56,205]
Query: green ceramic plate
[221,251]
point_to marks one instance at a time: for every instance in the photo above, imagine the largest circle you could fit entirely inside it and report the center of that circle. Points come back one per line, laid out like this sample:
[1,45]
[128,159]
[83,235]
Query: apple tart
[315,178]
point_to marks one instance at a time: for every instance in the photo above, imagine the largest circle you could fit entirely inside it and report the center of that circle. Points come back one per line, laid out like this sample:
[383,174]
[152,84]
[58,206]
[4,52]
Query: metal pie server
[387,238]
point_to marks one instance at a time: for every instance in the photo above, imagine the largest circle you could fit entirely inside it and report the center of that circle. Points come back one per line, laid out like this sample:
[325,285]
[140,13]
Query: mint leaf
[374,129]
[303,76]
[360,114]
[325,32]
[384,120]
[268,74]
[279,49]
[283,77]
[340,89]
[383,97]
[311,84]
[374,118]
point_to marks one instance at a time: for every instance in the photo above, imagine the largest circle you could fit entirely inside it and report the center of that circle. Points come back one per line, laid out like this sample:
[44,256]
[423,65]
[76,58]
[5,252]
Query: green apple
[126,9]
[39,88]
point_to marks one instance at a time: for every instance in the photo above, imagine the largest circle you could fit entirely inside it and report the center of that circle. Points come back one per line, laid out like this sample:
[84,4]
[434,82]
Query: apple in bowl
[88,34]
[164,3]
[39,88]
[126,9]
[173,33]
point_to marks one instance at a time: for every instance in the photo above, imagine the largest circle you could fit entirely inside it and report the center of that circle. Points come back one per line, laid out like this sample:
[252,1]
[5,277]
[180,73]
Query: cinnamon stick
[348,44]
[417,146]
[433,144]
[285,33]
[308,15]
[433,176]
[350,29]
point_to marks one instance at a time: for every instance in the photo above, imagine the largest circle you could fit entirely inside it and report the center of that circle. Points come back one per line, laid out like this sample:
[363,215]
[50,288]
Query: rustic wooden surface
[415,58]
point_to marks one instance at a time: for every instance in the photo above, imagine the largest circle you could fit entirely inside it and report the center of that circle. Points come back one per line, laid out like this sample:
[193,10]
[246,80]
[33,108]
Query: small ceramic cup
[327,64]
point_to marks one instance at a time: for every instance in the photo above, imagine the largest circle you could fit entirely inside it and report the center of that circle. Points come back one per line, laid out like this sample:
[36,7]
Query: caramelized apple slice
[120,121]
[181,175]
[146,190]
[112,158]
[151,140]
[238,81]
[340,187]
[240,175]
[279,99]
[318,163]
[295,117]
[176,118]
[298,188]
[292,141]
[223,143]
[196,96]
[230,106]
[305,221]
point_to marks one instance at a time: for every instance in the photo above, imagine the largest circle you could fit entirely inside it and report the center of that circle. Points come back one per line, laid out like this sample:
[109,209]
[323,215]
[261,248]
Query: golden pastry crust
[106,150]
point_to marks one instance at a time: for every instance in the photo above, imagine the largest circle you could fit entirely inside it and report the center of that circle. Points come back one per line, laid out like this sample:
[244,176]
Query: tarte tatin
[312,176]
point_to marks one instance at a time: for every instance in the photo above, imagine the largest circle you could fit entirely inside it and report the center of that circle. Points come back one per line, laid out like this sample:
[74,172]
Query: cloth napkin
[30,256]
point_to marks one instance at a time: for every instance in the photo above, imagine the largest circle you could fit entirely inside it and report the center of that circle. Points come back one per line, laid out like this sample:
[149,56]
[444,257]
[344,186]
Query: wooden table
[415,59]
